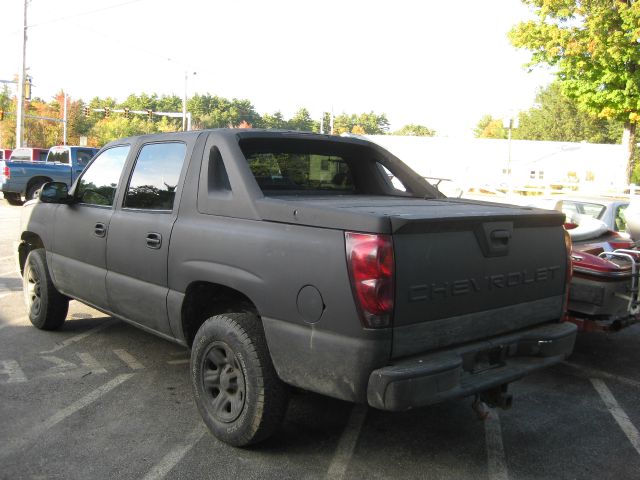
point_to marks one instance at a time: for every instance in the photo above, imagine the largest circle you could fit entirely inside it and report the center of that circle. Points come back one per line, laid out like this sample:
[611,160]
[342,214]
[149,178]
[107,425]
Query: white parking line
[496,462]
[182,361]
[592,372]
[618,414]
[91,363]
[12,322]
[128,359]
[79,337]
[347,443]
[172,458]
[10,272]
[6,293]
[11,446]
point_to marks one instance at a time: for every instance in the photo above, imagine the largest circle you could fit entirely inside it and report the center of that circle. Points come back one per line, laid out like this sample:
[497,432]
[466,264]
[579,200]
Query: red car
[604,290]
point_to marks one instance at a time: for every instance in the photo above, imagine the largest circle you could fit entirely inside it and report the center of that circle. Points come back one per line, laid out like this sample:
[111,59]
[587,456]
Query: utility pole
[21,76]
[331,122]
[185,125]
[64,121]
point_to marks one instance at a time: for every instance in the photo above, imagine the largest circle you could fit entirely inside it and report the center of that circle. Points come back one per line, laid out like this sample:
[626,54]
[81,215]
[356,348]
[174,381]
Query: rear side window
[155,176]
[301,171]
[58,156]
[98,183]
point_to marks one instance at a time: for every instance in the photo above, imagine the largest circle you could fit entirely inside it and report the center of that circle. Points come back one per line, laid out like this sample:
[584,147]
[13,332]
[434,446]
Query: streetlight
[184,101]
[21,78]
[510,122]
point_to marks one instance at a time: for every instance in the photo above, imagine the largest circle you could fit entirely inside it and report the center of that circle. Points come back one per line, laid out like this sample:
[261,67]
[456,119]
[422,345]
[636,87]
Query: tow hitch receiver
[496,397]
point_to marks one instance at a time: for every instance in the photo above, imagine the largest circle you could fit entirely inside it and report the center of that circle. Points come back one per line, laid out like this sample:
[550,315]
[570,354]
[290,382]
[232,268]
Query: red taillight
[371,269]
[5,172]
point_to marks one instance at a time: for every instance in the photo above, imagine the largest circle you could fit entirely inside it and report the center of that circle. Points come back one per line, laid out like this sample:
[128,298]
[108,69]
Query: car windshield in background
[594,210]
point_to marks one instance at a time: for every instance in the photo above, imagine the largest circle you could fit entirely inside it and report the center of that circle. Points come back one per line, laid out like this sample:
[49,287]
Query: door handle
[100,229]
[154,240]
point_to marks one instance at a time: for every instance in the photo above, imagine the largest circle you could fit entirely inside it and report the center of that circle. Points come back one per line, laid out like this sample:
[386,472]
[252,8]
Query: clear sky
[436,63]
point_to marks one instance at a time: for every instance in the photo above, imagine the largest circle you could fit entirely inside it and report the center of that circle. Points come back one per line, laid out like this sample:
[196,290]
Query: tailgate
[470,277]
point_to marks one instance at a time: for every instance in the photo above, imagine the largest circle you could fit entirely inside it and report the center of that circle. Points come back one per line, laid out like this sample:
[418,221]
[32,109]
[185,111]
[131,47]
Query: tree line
[90,120]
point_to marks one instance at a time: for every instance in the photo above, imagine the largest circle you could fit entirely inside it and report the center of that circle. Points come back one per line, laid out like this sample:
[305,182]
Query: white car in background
[611,211]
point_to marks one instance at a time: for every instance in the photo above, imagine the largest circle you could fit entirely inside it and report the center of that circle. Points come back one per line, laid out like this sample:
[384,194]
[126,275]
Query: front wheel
[236,388]
[47,308]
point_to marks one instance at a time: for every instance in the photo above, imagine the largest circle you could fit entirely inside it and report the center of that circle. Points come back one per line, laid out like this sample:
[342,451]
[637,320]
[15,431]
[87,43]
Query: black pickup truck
[286,258]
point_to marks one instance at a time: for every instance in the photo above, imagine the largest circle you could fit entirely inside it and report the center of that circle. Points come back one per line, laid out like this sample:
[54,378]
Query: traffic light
[150,113]
[126,112]
[107,112]
[86,110]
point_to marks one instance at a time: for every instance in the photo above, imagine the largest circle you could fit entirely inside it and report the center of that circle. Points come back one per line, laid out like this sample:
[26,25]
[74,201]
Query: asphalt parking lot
[100,399]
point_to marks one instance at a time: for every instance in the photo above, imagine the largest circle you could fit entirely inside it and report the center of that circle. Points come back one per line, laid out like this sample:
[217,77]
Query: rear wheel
[236,388]
[13,198]
[47,308]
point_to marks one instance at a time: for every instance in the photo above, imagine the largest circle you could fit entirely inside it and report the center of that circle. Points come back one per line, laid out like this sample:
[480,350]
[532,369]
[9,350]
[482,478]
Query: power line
[79,14]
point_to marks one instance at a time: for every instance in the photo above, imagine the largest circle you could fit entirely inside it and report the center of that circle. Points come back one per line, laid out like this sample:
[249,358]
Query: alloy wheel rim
[32,293]
[223,382]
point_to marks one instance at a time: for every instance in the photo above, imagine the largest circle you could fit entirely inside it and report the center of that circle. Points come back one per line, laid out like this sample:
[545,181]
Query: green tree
[368,123]
[489,127]
[275,121]
[219,112]
[303,122]
[8,125]
[594,46]
[416,130]
[108,129]
[556,117]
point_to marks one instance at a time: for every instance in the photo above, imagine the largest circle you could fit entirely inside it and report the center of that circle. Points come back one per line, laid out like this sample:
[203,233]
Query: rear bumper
[427,379]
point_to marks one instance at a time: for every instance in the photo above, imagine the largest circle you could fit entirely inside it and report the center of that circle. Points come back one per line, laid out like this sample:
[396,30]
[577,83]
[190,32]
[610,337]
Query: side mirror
[54,192]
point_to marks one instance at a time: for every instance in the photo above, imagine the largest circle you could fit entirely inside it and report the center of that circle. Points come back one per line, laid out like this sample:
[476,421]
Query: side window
[60,155]
[98,184]
[83,157]
[620,220]
[395,181]
[155,176]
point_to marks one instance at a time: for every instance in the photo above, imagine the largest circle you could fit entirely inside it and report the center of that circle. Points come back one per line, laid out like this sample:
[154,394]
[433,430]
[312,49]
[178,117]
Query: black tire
[236,388]
[13,199]
[31,191]
[47,308]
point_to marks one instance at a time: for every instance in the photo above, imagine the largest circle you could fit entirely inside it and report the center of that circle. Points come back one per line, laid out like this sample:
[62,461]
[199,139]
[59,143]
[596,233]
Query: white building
[475,162]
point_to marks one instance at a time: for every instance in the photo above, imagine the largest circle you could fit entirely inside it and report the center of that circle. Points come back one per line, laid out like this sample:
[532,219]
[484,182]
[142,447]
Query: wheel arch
[29,241]
[204,299]
[38,180]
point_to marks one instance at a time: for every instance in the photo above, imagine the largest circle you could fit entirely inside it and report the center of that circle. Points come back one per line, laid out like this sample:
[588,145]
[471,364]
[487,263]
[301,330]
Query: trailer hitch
[496,397]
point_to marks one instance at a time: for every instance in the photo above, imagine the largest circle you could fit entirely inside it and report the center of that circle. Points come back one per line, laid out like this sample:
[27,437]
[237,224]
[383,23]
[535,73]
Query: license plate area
[478,362]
